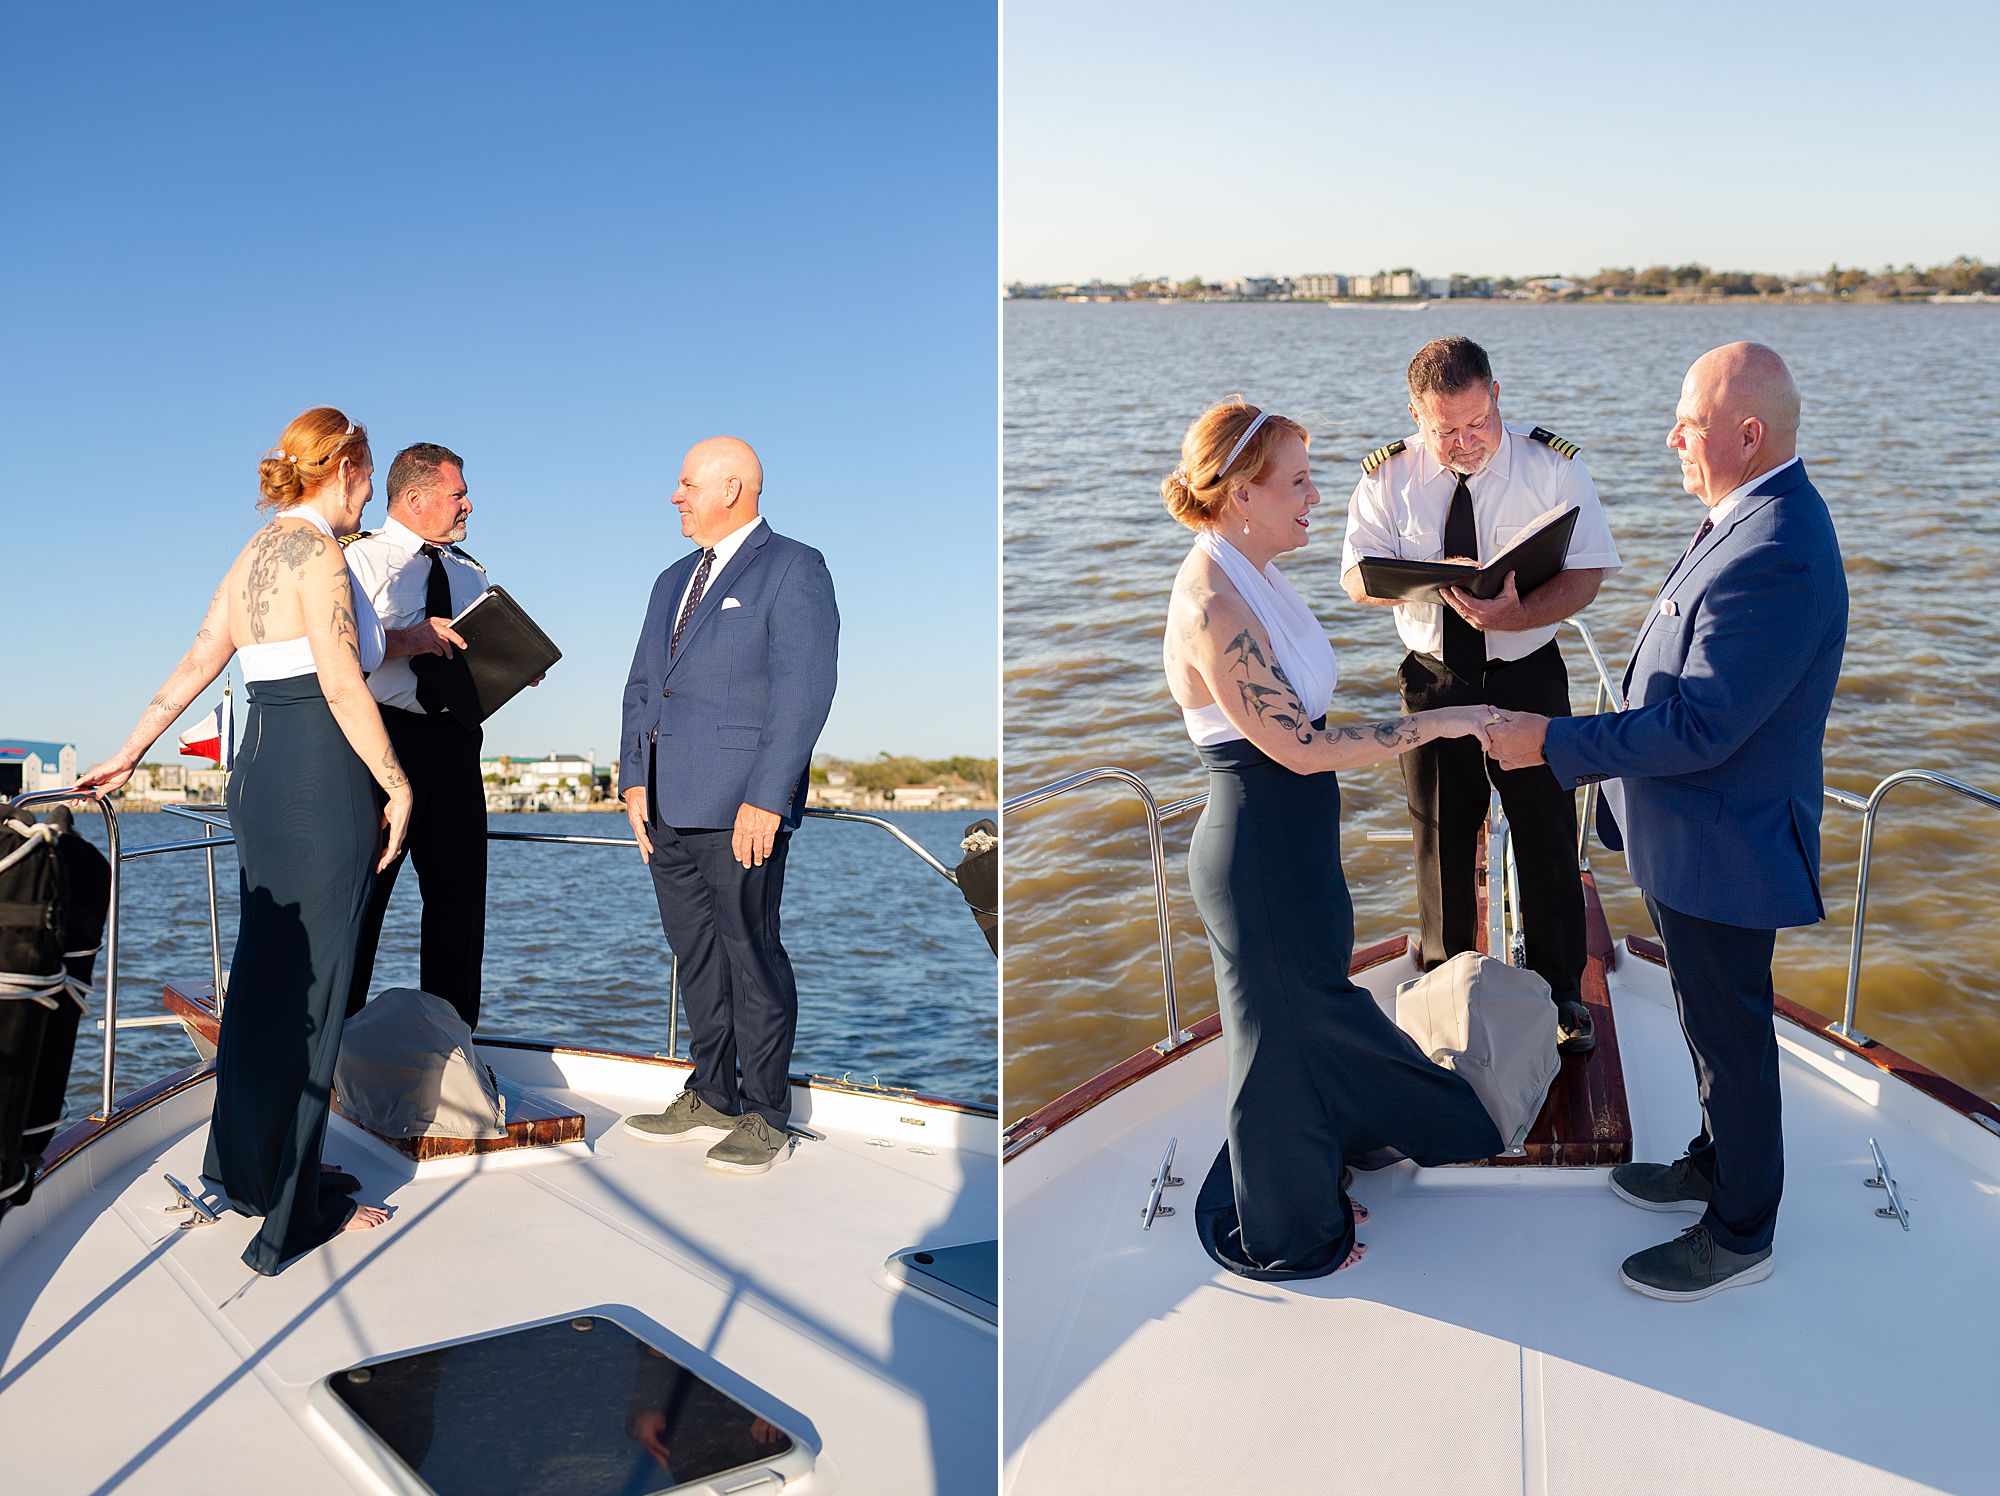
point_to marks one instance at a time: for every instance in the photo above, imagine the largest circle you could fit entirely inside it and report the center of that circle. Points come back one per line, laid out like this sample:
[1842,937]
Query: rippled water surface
[895,979]
[1901,404]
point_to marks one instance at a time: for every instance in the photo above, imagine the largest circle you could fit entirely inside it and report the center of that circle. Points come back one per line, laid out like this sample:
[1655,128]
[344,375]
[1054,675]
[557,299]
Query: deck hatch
[966,1277]
[579,1406]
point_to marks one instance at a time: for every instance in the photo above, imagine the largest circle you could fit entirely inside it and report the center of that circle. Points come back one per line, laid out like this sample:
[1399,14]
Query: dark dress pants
[1722,987]
[447,842]
[742,1004]
[1446,783]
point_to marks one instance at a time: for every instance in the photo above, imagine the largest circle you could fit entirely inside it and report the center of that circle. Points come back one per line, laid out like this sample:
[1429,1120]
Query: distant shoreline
[1419,303]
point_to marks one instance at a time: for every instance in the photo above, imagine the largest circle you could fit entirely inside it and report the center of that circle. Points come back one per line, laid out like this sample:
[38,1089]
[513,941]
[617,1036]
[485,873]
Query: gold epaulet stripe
[1379,456]
[462,555]
[347,540]
[1548,438]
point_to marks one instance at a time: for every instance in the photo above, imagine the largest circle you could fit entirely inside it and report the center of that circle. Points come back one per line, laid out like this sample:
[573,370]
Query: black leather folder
[1533,559]
[504,651]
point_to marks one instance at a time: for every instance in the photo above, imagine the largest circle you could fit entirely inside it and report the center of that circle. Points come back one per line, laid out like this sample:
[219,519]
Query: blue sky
[567,241]
[1168,137]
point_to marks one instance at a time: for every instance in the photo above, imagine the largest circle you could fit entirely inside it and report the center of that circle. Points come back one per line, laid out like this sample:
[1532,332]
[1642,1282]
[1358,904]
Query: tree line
[888,770]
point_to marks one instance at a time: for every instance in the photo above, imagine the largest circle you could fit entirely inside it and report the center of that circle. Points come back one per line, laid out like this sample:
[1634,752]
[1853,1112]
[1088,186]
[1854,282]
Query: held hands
[635,817]
[1516,738]
[1502,614]
[1462,722]
[756,833]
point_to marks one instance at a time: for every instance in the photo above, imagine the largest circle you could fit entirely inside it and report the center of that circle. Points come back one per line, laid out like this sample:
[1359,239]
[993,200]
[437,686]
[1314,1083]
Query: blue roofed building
[26,766]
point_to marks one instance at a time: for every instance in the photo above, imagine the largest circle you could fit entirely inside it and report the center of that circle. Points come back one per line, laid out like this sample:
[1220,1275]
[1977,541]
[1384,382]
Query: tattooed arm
[1227,647]
[196,672]
[326,594]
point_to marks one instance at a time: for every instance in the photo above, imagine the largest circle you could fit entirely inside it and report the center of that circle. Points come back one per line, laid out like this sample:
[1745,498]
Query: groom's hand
[756,833]
[635,816]
[1516,739]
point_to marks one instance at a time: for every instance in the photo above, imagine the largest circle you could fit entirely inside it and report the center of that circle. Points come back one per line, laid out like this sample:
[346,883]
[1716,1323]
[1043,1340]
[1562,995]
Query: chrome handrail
[1155,814]
[1868,808]
[210,842]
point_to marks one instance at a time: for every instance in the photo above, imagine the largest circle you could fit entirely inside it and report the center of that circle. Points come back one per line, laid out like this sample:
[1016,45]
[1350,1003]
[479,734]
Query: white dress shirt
[724,549]
[1731,501]
[388,564]
[1400,509]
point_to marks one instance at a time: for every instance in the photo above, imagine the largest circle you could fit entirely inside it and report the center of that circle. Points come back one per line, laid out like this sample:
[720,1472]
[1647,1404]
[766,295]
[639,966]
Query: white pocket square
[1668,607]
[730,602]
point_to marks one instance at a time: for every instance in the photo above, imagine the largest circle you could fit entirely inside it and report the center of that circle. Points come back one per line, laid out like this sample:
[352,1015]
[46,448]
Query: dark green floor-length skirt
[1318,1075]
[304,813]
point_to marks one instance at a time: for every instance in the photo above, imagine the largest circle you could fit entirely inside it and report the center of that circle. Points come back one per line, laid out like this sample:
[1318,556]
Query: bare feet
[366,1216]
[1360,1251]
[1360,1211]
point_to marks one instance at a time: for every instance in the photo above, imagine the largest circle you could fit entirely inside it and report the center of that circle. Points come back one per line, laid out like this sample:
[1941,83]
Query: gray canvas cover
[408,1070]
[1493,1024]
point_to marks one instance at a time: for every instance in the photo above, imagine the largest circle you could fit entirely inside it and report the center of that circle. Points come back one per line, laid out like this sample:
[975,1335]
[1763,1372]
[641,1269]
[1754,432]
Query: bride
[1318,1076]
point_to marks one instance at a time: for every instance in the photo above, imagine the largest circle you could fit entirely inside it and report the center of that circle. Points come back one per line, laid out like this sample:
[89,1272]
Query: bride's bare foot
[1360,1211]
[1360,1251]
[366,1216]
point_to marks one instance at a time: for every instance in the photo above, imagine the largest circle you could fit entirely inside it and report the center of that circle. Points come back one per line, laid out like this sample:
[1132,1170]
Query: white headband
[1242,442]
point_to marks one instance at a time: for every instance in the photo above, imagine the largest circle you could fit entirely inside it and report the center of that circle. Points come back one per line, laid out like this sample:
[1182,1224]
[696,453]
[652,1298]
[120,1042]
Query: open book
[504,651]
[1535,556]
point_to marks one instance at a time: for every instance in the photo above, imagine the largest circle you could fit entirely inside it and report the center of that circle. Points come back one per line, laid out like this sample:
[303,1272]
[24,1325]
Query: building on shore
[556,781]
[946,792]
[28,765]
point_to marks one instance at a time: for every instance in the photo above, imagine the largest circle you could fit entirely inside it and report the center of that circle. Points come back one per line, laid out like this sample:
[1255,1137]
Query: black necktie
[693,599]
[437,587]
[1464,649]
[437,604]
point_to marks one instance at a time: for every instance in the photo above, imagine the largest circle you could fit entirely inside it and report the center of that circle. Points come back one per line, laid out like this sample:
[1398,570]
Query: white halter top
[287,658]
[1304,652]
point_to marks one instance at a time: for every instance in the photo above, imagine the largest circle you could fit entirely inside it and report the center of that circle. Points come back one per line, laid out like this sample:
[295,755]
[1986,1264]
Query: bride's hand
[107,776]
[1464,722]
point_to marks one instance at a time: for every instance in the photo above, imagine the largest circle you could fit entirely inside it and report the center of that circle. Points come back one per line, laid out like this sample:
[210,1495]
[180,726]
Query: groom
[729,688]
[1716,790]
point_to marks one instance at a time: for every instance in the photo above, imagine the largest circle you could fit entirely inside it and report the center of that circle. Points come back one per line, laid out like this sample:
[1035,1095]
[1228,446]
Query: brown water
[1901,409]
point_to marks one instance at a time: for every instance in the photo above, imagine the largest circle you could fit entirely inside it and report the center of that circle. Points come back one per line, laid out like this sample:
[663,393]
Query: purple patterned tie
[1707,524]
[693,599]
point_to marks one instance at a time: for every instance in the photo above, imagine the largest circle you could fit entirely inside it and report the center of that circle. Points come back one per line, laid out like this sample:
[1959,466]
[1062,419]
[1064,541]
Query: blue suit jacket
[1726,697]
[732,717]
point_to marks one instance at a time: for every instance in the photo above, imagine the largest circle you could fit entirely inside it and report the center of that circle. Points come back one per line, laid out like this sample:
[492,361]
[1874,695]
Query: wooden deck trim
[1586,1121]
[195,1005]
[73,1139]
[1911,1072]
[1074,1102]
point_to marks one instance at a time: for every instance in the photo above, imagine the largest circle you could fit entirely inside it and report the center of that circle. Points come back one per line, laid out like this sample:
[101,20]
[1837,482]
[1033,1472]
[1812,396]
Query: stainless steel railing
[1156,815]
[214,819]
[1503,898]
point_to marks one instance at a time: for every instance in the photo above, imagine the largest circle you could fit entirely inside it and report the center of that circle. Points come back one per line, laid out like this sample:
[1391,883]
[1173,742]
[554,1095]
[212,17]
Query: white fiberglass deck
[135,1357]
[1485,1345]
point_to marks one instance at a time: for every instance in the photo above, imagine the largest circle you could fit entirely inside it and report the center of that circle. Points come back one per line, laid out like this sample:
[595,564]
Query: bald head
[1738,418]
[720,484]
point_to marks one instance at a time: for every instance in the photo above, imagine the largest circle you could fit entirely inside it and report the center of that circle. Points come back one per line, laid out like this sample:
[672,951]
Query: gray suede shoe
[688,1119]
[1692,1266]
[752,1146]
[1674,1186]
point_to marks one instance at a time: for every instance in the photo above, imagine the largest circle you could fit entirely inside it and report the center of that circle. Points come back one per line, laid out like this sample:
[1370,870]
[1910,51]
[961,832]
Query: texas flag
[214,737]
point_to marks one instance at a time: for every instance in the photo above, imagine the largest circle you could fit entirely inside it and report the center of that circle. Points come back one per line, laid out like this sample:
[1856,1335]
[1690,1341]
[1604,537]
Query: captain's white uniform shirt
[1399,510]
[389,566]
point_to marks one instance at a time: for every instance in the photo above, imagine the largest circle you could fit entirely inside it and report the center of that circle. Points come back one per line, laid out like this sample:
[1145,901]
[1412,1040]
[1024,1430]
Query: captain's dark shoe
[1674,1186]
[1692,1266]
[1574,1032]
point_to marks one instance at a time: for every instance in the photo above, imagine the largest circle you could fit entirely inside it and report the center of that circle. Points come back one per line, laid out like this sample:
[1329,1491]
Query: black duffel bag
[33,986]
[86,878]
